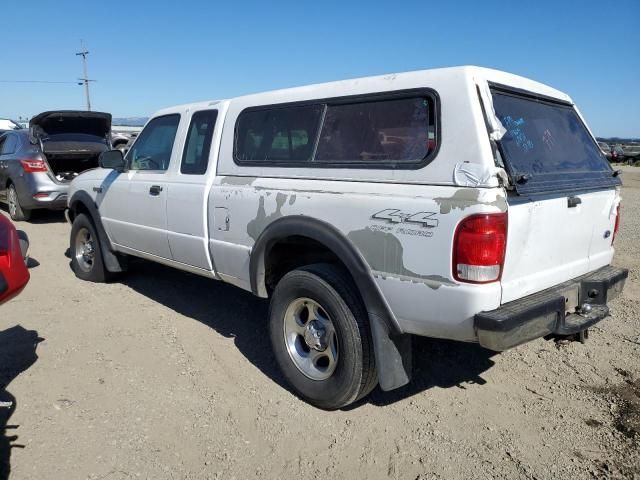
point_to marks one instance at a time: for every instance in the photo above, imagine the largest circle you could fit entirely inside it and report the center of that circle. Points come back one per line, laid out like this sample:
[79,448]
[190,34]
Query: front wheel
[320,335]
[86,253]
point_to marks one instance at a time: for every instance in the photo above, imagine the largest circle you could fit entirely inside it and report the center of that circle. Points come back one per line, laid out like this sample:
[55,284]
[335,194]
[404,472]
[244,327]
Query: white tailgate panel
[549,243]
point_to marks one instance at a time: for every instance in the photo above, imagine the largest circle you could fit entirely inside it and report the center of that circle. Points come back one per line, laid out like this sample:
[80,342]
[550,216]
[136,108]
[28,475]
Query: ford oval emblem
[607,234]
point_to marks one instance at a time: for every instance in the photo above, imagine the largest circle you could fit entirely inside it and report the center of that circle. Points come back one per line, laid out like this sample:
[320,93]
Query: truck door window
[196,151]
[152,149]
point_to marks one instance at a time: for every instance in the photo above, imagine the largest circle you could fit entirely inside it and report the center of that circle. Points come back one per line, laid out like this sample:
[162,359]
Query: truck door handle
[573,202]
[155,190]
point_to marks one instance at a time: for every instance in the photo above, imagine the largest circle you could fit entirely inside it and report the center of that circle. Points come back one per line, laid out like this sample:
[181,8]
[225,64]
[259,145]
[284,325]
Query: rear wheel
[13,203]
[320,335]
[86,253]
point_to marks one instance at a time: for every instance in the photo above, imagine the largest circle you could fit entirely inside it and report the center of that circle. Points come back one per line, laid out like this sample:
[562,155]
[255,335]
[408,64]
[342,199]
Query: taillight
[478,248]
[616,227]
[33,166]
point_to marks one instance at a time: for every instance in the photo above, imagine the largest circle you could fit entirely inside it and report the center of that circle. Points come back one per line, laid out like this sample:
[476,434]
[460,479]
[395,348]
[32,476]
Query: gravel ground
[169,375]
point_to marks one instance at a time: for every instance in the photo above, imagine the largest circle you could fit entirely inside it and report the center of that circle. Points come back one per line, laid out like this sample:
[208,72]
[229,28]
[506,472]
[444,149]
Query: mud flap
[393,355]
[113,262]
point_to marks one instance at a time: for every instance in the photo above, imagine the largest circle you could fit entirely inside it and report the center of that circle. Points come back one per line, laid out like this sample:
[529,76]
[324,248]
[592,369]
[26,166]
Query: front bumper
[559,310]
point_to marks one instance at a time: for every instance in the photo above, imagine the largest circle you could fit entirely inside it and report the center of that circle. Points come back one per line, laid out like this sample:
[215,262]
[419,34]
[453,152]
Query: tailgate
[550,242]
[562,213]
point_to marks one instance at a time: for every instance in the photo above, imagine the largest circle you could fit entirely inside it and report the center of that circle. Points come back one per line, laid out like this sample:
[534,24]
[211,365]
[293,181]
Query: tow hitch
[574,329]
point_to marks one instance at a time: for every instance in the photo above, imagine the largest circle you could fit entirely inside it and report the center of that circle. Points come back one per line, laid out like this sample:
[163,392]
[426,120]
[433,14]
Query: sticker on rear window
[514,127]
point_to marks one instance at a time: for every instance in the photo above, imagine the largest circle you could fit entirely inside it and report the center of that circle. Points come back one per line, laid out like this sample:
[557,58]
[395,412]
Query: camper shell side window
[387,130]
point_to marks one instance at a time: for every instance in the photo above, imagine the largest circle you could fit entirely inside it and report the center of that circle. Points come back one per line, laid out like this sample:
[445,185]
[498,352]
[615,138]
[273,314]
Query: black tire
[88,264]
[16,211]
[355,372]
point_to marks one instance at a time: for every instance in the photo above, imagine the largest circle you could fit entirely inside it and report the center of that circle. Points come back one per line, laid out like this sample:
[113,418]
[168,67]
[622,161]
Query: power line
[37,81]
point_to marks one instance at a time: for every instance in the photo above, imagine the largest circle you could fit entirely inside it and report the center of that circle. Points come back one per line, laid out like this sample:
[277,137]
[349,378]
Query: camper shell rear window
[546,147]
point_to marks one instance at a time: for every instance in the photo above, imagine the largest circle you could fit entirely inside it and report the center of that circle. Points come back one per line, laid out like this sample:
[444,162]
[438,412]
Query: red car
[13,269]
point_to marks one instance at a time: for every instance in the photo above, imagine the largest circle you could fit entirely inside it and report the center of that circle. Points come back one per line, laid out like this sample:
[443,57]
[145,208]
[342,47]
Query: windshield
[547,147]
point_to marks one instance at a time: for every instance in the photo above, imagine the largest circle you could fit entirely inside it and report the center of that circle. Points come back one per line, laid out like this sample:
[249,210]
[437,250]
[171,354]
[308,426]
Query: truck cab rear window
[198,144]
[369,132]
[547,147]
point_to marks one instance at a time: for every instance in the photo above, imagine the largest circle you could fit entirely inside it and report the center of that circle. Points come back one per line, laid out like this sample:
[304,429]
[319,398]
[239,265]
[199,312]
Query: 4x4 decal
[393,215]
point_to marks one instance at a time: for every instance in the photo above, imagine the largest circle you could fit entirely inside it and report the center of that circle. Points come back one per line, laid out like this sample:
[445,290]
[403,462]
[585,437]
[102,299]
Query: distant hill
[617,140]
[129,121]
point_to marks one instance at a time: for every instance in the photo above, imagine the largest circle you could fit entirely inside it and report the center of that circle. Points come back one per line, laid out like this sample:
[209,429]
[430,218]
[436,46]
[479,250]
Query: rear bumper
[37,190]
[552,310]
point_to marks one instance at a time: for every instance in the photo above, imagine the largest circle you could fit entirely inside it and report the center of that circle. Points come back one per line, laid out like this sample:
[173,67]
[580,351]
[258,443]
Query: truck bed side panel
[406,239]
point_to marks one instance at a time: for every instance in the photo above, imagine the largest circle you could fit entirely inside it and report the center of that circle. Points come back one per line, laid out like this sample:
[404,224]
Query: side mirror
[112,159]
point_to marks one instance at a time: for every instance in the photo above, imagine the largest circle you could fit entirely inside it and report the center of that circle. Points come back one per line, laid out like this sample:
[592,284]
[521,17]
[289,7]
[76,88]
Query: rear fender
[391,346]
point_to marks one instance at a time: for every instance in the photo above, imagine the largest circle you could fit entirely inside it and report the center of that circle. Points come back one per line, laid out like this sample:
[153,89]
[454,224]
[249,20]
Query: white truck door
[134,209]
[188,193]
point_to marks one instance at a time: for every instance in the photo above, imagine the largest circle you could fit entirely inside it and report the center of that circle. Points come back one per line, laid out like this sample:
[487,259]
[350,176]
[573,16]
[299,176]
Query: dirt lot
[168,375]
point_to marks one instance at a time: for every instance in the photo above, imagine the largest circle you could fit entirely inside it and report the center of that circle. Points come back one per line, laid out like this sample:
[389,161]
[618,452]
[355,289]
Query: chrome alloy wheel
[12,201]
[311,339]
[85,251]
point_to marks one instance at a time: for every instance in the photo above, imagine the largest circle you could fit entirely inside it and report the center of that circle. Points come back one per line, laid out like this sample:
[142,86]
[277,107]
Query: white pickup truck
[460,203]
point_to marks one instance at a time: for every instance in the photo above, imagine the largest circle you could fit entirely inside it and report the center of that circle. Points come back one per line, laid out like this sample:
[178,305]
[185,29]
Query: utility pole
[83,53]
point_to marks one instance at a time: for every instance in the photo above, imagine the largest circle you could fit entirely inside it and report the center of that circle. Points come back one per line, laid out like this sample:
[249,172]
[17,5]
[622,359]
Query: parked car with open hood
[37,164]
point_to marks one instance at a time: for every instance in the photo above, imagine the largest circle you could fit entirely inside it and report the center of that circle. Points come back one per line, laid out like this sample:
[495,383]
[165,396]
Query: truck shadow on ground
[235,313]
[17,354]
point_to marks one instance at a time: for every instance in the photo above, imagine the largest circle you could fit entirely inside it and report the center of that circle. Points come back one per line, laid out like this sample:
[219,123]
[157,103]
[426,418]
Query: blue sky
[146,55]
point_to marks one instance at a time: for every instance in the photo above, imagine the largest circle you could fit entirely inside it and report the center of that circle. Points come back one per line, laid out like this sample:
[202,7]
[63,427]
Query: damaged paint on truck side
[464,198]
[256,226]
[384,253]
[401,237]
